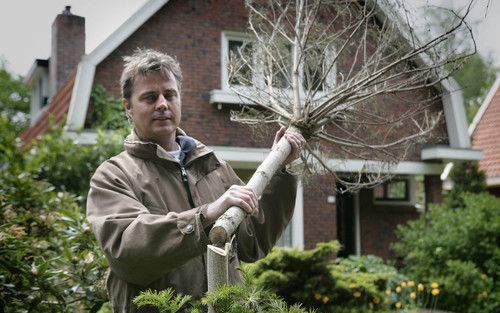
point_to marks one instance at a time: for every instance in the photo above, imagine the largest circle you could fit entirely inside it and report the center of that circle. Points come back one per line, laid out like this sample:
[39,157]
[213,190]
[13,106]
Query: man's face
[155,109]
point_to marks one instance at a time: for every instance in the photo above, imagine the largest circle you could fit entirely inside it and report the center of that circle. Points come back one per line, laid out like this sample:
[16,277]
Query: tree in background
[478,73]
[467,178]
[476,78]
[14,98]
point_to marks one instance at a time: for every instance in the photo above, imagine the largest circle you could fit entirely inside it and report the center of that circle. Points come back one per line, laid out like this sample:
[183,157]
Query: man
[151,206]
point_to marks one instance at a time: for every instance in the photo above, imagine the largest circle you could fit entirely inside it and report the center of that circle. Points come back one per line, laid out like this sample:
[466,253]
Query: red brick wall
[433,189]
[68,47]
[378,223]
[319,216]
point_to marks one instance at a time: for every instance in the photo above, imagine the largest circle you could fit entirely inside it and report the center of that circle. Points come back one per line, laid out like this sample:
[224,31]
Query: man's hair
[146,61]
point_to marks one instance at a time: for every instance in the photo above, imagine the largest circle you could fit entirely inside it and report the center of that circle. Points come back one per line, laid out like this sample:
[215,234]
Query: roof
[485,132]
[54,113]
[35,70]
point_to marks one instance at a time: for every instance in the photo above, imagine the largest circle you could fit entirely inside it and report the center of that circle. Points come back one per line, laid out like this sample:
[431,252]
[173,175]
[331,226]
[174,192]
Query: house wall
[319,216]
[191,31]
[378,223]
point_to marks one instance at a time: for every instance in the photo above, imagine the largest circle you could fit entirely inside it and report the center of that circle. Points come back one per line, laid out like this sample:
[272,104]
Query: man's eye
[150,98]
[169,95]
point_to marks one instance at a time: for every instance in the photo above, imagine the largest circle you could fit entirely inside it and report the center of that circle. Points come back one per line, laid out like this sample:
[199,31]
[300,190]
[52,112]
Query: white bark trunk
[217,268]
[226,225]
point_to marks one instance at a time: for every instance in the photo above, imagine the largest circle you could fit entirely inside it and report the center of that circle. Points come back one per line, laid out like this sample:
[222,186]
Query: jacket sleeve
[257,235]
[139,246]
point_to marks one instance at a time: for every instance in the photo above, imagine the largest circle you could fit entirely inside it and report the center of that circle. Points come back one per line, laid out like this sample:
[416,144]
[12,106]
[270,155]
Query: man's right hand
[240,196]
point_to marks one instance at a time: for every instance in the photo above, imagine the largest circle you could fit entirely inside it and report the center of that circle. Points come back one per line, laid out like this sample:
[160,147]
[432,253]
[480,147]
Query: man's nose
[162,103]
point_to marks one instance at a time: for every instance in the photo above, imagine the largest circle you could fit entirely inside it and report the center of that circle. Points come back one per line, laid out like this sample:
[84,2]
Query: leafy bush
[50,261]
[107,111]
[458,247]
[67,165]
[466,177]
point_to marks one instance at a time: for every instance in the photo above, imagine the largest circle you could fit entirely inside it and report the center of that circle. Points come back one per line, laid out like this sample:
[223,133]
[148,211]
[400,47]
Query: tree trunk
[217,268]
[226,225]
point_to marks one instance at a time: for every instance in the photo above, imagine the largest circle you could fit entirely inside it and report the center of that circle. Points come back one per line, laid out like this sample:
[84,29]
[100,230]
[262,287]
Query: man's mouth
[161,118]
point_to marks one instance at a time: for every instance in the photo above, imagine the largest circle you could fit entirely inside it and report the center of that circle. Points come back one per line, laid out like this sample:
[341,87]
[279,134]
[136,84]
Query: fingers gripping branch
[226,225]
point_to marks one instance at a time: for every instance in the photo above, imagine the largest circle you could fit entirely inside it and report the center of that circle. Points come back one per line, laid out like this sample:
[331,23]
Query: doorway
[346,219]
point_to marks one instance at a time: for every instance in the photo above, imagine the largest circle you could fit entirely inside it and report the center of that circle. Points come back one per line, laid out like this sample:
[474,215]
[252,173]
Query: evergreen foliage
[315,280]
[466,177]
[165,301]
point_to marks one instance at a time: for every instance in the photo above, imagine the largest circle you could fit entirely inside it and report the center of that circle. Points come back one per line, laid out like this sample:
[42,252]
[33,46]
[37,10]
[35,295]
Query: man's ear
[127,106]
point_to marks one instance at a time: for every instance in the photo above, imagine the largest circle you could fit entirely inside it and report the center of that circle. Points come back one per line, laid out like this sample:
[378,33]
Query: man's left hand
[296,140]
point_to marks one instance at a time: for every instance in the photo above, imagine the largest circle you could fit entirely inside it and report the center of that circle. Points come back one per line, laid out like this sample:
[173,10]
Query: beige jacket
[140,213]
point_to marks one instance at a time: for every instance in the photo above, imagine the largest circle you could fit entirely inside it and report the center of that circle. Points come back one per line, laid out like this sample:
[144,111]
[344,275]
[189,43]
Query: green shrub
[457,247]
[50,261]
[312,278]
[67,165]
[108,112]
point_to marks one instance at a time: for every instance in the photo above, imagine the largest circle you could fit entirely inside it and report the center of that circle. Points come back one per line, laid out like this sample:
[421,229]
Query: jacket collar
[191,148]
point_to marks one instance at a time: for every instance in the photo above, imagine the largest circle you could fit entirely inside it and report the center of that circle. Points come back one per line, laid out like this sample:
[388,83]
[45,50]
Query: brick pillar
[68,47]
[433,189]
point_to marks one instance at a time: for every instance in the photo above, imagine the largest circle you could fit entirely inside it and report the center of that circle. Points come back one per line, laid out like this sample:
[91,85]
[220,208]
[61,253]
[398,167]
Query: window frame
[258,78]
[409,200]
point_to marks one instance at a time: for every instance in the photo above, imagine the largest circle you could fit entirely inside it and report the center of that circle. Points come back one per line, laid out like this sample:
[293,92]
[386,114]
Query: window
[42,98]
[313,74]
[234,49]
[393,190]
[232,43]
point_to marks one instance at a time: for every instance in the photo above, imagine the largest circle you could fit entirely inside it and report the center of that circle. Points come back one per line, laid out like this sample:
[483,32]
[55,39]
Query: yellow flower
[484,277]
[420,287]
[398,289]
[435,292]
[411,283]
[434,285]
[356,294]
[398,305]
[317,296]
[325,299]
[352,285]
[376,300]
[413,295]
[386,300]
[484,294]
[403,284]
[388,291]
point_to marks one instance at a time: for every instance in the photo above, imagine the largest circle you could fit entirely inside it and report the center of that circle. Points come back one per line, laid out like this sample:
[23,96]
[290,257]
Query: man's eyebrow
[147,93]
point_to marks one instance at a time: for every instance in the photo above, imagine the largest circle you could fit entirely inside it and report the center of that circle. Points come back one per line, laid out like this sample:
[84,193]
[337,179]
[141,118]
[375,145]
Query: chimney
[68,47]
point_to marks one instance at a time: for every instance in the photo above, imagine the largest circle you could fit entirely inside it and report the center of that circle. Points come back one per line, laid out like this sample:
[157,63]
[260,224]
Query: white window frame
[412,197]
[226,95]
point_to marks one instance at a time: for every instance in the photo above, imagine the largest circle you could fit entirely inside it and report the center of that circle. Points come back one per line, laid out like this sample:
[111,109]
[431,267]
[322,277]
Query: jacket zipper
[186,186]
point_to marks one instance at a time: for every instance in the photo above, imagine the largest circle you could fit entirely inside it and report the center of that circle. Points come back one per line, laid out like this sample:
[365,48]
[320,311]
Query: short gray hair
[143,62]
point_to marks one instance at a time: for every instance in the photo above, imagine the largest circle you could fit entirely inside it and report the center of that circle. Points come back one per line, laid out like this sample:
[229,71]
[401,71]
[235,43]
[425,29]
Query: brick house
[485,133]
[199,34]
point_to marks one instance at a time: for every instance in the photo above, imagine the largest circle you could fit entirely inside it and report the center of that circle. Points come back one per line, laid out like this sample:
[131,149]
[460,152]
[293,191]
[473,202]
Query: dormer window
[38,79]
